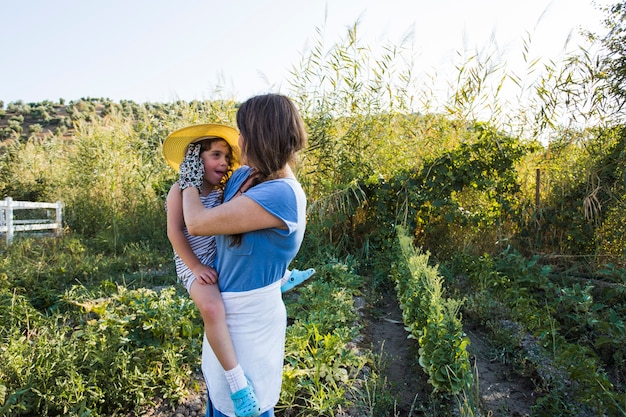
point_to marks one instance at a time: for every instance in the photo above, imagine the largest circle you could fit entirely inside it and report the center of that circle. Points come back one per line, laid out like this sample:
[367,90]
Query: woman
[258,231]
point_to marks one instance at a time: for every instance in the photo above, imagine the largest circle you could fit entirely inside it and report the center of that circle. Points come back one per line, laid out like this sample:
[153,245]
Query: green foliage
[320,370]
[434,321]
[113,350]
[356,102]
[356,123]
[17,313]
[614,41]
[576,385]
[109,167]
[27,170]
[111,176]
[565,335]
[583,187]
[473,186]
[42,269]
[331,294]
[322,364]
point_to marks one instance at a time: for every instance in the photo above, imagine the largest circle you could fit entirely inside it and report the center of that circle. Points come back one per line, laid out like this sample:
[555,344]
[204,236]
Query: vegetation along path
[502,392]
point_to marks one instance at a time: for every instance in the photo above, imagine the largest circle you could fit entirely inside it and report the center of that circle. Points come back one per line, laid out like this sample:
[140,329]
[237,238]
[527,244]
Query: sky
[161,51]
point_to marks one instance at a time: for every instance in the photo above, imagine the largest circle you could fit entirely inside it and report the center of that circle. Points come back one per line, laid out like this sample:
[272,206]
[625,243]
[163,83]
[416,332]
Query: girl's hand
[191,172]
[205,274]
[248,183]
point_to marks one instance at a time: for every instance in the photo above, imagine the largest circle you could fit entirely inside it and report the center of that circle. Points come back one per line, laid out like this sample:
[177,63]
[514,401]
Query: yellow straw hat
[176,143]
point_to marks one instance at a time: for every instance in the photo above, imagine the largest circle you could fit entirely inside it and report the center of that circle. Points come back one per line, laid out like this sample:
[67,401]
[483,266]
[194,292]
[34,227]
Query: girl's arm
[239,215]
[175,226]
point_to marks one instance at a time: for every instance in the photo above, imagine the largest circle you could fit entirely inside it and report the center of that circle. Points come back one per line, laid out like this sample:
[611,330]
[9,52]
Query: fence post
[537,188]
[59,218]
[9,212]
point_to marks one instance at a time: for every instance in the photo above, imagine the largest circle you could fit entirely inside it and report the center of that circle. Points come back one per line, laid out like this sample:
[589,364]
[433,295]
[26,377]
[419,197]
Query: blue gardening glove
[191,171]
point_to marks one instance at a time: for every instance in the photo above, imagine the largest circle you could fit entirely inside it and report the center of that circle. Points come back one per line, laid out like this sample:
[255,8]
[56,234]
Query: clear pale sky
[160,51]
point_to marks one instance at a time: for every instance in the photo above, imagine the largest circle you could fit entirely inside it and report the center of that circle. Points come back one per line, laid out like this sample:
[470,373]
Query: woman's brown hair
[273,132]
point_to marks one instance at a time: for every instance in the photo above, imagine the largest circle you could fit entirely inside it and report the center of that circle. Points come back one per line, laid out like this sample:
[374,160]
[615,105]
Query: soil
[387,337]
[502,393]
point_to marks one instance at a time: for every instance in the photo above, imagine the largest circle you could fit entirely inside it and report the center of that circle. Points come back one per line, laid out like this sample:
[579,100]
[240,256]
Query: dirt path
[387,337]
[502,392]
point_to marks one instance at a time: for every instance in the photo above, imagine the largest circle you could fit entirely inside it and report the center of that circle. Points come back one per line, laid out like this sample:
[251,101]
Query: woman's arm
[239,215]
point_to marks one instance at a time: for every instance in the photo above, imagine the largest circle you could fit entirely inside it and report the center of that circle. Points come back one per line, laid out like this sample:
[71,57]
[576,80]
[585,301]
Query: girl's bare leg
[208,300]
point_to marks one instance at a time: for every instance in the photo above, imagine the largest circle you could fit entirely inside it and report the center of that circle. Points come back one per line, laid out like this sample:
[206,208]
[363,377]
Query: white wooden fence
[9,224]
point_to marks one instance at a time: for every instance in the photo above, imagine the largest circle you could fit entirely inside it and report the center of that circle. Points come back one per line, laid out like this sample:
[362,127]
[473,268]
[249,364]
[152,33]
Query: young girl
[195,255]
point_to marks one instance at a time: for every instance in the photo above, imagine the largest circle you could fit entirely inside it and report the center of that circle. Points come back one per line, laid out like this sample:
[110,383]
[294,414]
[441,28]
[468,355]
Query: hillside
[21,121]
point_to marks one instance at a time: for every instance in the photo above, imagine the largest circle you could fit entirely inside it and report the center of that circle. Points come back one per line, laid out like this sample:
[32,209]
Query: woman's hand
[191,172]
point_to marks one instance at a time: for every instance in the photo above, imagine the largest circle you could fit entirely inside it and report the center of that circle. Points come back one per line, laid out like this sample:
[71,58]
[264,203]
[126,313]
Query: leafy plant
[434,321]
[114,350]
[320,370]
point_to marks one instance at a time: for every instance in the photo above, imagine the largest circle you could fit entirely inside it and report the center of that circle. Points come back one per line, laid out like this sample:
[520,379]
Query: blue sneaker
[296,278]
[245,402]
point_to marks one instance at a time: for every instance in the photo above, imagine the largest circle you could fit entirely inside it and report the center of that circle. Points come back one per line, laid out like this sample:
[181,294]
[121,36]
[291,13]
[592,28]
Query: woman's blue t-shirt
[263,255]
